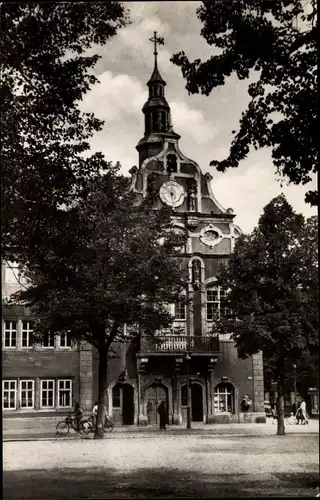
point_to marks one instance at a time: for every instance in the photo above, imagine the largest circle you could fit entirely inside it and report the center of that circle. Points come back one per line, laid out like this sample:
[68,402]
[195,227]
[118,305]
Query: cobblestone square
[164,465]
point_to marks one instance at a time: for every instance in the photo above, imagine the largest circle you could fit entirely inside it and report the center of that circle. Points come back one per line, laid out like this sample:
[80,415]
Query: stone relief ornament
[211,235]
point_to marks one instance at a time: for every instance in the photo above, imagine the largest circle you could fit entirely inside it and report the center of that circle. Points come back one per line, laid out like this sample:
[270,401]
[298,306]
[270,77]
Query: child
[291,419]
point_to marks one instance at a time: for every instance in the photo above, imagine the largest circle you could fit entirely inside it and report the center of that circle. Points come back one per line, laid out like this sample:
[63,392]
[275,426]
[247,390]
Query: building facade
[190,367]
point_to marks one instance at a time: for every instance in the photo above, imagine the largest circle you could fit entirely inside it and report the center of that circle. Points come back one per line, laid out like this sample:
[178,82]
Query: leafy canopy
[273,280]
[273,43]
[45,72]
[111,262]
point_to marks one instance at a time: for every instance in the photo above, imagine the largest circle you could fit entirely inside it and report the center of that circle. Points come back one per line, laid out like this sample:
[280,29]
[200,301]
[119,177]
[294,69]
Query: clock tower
[220,380]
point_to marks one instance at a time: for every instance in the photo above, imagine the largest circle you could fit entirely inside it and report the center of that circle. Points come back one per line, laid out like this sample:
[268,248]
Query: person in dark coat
[162,410]
[78,415]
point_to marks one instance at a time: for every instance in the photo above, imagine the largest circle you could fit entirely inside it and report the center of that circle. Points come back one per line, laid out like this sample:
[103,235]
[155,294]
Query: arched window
[116,403]
[171,163]
[224,398]
[184,395]
[155,121]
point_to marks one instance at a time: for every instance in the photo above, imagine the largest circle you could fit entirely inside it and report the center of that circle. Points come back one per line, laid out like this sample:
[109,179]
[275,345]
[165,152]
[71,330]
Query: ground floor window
[224,398]
[47,394]
[65,393]
[27,393]
[116,398]
[21,393]
[9,394]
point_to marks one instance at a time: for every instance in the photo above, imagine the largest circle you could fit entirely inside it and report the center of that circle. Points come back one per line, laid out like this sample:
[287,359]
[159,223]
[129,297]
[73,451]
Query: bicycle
[88,425]
[70,422]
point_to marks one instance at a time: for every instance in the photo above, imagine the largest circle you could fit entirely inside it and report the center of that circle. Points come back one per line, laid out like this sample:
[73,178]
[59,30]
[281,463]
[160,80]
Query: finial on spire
[156,40]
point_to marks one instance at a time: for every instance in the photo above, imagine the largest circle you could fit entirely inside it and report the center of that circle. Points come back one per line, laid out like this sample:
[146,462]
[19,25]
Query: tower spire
[156,40]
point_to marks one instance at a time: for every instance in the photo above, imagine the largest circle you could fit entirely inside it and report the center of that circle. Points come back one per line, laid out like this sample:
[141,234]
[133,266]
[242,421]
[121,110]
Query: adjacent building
[189,367]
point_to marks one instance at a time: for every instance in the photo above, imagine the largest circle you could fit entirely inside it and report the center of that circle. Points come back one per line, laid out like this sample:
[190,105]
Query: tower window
[218,304]
[155,121]
[171,163]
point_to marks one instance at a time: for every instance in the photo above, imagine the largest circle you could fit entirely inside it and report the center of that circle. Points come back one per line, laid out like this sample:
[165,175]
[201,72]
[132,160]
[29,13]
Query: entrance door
[197,403]
[154,395]
[127,405]
[123,404]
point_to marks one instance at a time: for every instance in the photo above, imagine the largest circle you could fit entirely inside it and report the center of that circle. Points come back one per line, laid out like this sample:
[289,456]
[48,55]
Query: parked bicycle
[70,422]
[89,425]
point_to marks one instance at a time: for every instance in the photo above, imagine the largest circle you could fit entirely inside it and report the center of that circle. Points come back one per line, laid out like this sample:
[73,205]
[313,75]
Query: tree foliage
[273,280]
[111,263]
[274,43]
[45,72]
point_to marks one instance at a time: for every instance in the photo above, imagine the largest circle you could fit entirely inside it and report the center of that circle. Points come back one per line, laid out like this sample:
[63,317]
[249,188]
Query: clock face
[172,193]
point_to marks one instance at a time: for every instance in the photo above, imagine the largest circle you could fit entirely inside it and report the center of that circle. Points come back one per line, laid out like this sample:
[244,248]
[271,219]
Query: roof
[156,77]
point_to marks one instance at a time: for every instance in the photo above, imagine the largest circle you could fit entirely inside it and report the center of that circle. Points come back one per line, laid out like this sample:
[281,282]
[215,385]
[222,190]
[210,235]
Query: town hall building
[194,370]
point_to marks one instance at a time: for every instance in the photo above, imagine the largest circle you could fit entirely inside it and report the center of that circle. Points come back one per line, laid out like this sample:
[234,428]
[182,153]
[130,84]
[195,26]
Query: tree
[111,263]
[273,43]
[45,72]
[273,282]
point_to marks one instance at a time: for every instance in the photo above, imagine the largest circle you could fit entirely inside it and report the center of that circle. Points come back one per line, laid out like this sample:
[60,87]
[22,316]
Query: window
[10,334]
[116,396]
[65,340]
[9,394]
[218,304]
[184,395]
[48,340]
[180,311]
[65,393]
[12,273]
[27,393]
[47,393]
[224,398]
[171,163]
[27,332]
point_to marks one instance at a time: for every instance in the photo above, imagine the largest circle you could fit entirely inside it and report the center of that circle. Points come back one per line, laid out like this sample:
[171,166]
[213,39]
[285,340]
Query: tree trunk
[280,407]
[103,365]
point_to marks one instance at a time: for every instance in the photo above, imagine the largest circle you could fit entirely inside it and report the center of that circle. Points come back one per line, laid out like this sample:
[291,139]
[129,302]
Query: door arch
[123,404]
[196,402]
[154,394]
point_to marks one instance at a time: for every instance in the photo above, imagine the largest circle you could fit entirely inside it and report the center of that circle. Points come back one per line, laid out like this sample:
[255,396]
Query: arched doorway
[196,403]
[154,395]
[123,404]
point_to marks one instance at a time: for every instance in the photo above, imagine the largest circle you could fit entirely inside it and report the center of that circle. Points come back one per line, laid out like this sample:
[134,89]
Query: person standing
[274,412]
[162,414]
[78,414]
[303,410]
[94,414]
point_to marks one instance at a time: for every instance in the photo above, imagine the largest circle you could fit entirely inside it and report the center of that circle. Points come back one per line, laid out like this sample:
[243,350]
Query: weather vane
[156,40]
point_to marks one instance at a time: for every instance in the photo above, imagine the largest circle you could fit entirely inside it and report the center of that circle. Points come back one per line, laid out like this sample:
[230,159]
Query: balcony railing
[178,344]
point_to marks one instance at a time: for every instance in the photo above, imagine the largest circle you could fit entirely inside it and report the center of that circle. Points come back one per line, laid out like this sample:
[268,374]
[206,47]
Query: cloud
[115,97]
[191,122]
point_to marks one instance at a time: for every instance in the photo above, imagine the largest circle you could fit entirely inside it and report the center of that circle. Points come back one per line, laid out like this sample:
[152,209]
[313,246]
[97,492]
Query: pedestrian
[94,414]
[303,410]
[274,412]
[78,414]
[299,414]
[162,414]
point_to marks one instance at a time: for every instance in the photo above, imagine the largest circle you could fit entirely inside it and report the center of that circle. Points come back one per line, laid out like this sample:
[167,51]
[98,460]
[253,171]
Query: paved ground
[192,464]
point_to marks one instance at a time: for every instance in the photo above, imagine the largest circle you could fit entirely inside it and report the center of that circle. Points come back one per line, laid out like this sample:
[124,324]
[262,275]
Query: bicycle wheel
[86,427]
[62,428]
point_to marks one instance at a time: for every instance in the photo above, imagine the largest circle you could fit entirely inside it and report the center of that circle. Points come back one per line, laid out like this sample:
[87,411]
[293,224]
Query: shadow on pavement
[151,483]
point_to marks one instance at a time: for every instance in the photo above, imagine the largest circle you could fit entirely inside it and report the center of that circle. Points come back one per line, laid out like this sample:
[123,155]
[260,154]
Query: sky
[204,123]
